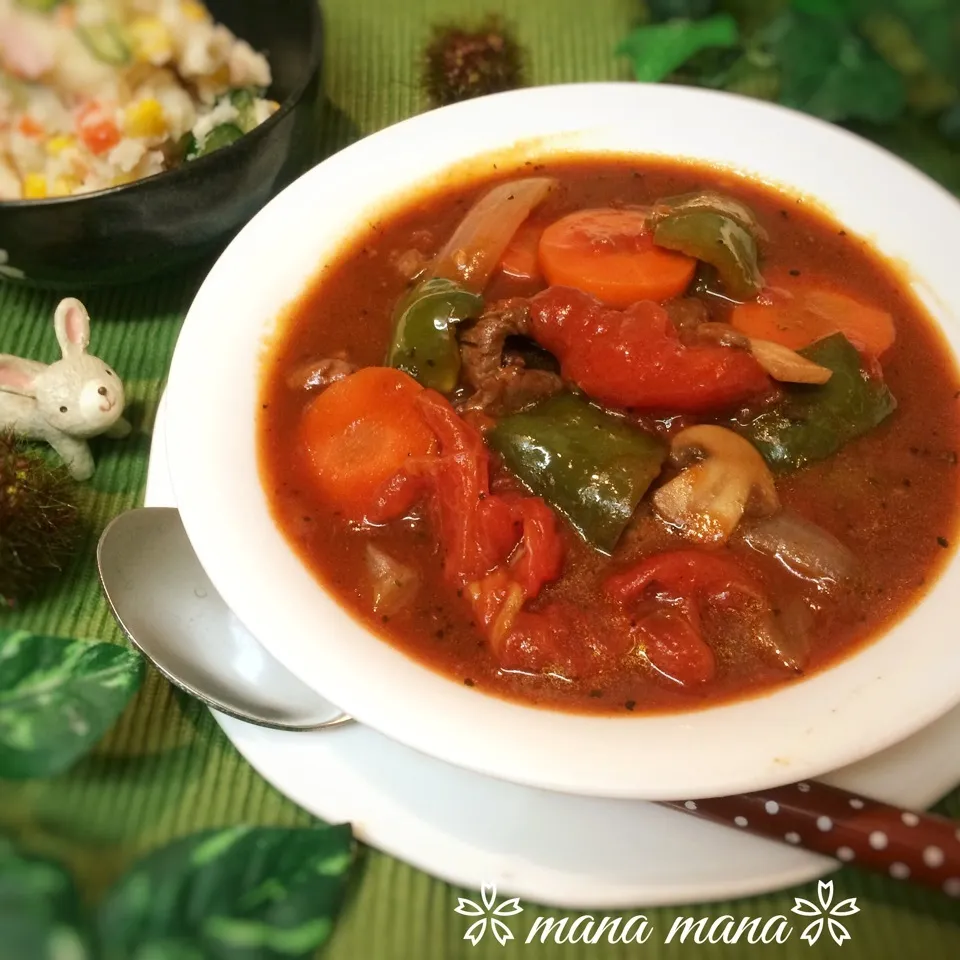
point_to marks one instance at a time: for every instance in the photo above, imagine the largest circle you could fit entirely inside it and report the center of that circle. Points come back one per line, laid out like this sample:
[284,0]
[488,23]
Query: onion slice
[394,583]
[805,549]
[787,365]
[471,255]
[785,643]
[778,361]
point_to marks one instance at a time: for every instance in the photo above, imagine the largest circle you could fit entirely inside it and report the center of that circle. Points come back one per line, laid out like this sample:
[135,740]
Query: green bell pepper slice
[716,239]
[592,467]
[424,342]
[814,422]
[711,203]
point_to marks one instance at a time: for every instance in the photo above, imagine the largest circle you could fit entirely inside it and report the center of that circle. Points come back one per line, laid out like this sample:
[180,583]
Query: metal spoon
[170,611]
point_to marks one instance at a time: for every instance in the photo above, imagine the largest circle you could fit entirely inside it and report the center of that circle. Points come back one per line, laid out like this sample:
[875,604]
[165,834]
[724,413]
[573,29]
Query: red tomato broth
[891,496]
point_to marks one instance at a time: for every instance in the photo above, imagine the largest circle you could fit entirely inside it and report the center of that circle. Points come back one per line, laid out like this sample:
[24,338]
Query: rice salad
[100,93]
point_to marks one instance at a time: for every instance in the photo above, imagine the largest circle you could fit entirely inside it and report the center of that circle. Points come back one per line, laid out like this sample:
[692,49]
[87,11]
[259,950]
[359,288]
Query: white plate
[891,688]
[550,848]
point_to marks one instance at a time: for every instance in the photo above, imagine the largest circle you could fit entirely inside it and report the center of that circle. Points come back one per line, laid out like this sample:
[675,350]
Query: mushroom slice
[724,478]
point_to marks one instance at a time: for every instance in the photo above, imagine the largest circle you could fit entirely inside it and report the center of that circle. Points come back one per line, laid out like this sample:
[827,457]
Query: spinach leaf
[244,893]
[657,50]
[829,71]
[58,697]
[40,916]
[814,422]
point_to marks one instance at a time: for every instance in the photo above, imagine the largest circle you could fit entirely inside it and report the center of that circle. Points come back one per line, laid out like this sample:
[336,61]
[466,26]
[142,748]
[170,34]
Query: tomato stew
[607,435]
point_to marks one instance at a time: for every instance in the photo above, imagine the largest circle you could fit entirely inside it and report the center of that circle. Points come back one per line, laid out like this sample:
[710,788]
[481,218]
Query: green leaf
[814,422]
[842,10]
[918,141]
[40,916]
[657,50]
[58,697]
[753,14]
[934,26]
[244,893]
[661,10]
[751,76]
[929,85]
[219,137]
[829,71]
[949,126]
[245,102]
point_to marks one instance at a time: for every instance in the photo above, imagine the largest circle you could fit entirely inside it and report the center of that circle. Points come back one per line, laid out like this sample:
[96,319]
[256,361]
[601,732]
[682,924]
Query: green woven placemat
[166,769]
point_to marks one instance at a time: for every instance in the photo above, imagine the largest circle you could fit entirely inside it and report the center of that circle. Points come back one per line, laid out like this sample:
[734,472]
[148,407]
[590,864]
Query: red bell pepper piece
[635,359]
[683,579]
[480,530]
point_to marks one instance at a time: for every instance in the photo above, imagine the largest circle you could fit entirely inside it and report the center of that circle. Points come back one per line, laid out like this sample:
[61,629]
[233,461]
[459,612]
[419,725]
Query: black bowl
[128,233]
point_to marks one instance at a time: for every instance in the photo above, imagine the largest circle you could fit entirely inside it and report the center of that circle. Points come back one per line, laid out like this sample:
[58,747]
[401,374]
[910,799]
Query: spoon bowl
[169,610]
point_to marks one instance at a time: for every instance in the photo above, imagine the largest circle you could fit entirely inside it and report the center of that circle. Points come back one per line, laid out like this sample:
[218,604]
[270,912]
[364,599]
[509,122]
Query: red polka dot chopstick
[920,847]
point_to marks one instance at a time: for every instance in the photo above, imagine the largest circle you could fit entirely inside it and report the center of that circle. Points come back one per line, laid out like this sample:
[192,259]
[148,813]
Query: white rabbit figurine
[67,402]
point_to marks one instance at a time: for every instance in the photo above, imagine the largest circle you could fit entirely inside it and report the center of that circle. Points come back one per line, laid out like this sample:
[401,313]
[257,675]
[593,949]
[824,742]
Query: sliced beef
[502,383]
[687,313]
[319,374]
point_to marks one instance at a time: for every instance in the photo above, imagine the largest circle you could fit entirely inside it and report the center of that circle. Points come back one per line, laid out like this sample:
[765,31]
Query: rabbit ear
[72,323]
[18,375]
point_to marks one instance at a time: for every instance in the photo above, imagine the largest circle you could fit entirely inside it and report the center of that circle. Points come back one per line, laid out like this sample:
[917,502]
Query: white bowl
[903,681]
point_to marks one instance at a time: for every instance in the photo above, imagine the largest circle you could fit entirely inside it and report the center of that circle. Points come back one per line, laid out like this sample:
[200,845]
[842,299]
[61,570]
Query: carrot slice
[610,254]
[796,314]
[97,129]
[30,127]
[521,259]
[360,433]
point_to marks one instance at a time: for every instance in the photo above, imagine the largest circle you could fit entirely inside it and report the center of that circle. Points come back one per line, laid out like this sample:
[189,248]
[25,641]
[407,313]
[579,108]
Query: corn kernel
[34,186]
[122,179]
[151,40]
[220,77]
[64,187]
[145,119]
[193,10]
[56,145]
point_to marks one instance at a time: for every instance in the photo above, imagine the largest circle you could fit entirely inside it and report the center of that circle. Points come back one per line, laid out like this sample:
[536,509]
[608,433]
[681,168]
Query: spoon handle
[920,847]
